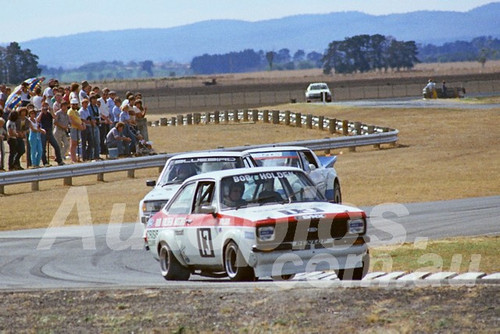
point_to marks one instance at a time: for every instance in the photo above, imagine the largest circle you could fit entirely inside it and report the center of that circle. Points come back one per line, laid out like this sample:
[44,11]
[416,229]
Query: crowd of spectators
[81,122]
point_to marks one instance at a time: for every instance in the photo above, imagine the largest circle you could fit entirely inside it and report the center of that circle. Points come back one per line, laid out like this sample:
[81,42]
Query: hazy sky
[23,20]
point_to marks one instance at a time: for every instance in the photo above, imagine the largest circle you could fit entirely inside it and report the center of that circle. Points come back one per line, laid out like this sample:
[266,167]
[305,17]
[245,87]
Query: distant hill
[306,32]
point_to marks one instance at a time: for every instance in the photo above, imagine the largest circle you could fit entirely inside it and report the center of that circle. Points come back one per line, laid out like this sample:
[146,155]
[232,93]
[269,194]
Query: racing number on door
[205,242]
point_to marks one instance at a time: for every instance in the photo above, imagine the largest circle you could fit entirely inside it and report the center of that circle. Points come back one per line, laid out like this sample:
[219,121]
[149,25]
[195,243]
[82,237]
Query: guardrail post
[371,130]
[35,186]
[131,173]
[68,181]
[255,116]
[180,120]
[189,119]
[298,119]
[265,116]
[287,117]
[245,115]
[216,117]
[321,120]
[309,121]
[197,118]
[100,177]
[236,116]
[276,116]
[226,116]
[345,127]
[163,121]
[173,121]
[332,126]
[2,190]
[357,128]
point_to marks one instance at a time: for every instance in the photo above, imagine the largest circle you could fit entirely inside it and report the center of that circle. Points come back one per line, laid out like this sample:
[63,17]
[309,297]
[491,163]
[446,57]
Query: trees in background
[16,65]
[363,53]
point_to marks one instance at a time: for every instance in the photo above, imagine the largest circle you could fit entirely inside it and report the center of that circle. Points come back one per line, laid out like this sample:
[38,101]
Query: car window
[308,158]
[182,203]
[204,195]
[277,159]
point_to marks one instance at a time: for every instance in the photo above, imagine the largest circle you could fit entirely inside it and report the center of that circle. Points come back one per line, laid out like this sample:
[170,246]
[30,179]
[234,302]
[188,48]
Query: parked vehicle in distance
[180,167]
[318,91]
[256,222]
[319,168]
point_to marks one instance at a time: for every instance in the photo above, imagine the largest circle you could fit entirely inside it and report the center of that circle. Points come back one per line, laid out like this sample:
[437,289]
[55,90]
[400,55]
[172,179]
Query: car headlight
[153,206]
[356,226]
[265,233]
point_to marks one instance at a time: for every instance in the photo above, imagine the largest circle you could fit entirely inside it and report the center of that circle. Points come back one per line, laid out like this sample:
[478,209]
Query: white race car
[256,222]
[319,169]
[318,91]
[180,167]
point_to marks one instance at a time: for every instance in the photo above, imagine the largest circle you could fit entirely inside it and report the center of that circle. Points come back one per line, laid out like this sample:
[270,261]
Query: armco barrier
[363,135]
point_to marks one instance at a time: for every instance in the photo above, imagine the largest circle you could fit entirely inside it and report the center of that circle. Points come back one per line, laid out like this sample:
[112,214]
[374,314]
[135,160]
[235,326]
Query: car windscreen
[180,169]
[277,159]
[277,187]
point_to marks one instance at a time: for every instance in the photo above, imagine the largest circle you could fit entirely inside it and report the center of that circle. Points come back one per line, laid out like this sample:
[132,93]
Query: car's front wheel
[171,269]
[337,194]
[355,274]
[235,265]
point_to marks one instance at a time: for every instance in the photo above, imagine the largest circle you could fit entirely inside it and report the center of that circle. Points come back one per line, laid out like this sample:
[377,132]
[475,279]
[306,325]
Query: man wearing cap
[46,118]
[75,130]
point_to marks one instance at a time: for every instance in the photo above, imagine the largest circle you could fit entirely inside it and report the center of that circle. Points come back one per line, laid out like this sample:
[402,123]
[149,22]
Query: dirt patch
[308,310]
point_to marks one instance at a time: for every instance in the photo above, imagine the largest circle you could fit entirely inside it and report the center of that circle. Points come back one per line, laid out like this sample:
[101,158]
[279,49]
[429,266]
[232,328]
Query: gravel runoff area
[255,309]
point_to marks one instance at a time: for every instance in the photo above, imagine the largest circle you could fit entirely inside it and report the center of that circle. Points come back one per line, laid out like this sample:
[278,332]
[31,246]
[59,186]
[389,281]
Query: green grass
[456,254]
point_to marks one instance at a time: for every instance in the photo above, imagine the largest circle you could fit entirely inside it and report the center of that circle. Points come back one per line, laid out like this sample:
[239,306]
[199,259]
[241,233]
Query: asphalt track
[112,255]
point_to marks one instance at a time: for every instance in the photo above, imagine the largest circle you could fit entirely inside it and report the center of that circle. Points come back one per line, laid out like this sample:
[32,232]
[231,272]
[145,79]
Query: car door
[312,168]
[201,227]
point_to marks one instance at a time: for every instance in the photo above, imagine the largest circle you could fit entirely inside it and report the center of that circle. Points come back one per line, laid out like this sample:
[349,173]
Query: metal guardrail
[369,135]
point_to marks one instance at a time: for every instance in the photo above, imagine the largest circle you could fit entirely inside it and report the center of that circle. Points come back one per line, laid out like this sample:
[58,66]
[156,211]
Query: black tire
[283,277]
[355,274]
[337,193]
[235,265]
[171,269]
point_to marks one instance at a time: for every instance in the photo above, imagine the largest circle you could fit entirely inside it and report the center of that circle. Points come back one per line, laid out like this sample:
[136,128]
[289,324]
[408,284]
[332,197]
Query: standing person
[127,131]
[84,92]
[61,128]
[116,138]
[46,119]
[75,131]
[56,104]
[140,119]
[115,112]
[443,88]
[37,99]
[12,136]
[3,96]
[49,92]
[22,129]
[86,141]
[3,135]
[94,125]
[35,139]
[25,94]
[105,121]
[73,94]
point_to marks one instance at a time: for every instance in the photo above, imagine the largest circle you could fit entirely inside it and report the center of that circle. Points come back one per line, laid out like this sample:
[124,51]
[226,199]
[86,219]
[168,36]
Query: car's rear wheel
[283,277]
[235,265]
[171,269]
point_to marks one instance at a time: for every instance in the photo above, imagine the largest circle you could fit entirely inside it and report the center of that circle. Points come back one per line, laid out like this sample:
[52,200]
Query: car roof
[207,154]
[239,171]
[318,83]
[276,149]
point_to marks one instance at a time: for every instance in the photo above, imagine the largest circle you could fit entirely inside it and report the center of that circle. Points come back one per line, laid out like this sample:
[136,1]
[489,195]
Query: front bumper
[277,263]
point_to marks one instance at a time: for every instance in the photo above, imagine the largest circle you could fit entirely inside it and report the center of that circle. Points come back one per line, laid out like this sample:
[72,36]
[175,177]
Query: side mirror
[312,166]
[207,209]
[151,183]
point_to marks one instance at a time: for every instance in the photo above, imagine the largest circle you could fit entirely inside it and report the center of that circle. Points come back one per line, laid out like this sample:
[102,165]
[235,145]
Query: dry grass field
[442,154]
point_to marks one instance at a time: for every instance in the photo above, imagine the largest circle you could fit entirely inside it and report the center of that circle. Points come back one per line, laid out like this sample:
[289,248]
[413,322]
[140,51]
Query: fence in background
[354,134]
[251,97]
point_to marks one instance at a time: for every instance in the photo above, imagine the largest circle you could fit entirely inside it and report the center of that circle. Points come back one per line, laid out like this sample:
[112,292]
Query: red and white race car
[256,222]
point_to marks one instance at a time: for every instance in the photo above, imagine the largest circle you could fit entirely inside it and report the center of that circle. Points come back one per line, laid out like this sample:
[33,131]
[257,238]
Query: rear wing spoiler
[327,161]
